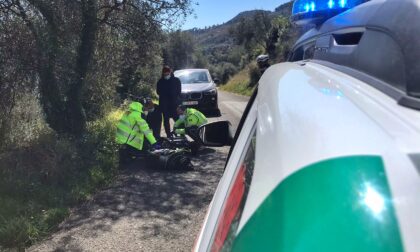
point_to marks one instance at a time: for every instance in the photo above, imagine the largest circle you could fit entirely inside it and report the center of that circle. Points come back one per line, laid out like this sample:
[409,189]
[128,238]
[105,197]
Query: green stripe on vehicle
[342,204]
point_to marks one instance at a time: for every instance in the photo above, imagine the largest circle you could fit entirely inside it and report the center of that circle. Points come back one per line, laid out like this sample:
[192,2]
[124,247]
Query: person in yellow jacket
[131,131]
[189,121]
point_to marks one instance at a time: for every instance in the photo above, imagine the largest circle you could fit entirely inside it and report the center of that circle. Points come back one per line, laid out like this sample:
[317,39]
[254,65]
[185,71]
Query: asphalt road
[146,209]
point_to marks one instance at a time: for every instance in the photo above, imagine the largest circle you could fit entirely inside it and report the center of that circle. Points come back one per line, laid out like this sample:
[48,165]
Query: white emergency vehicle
[327,155]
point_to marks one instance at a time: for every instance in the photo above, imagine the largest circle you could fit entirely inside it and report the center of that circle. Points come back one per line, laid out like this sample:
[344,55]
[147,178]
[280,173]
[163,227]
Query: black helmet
[148,100]
[263,58]
[263,63]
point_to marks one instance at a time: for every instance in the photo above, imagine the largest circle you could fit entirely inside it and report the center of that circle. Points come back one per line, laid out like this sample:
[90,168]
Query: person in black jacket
[169,91]
[153,117]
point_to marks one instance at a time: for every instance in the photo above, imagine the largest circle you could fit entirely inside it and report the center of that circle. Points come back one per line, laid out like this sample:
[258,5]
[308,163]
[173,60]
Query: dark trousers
[129,153]
[167,115]
[155,126]
[140,158]
[193,133]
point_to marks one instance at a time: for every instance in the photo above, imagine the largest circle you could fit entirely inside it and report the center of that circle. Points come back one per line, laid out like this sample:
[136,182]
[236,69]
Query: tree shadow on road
[156,203]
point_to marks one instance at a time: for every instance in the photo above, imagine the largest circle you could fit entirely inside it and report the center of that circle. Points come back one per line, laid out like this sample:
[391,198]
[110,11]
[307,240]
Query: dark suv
[198,90]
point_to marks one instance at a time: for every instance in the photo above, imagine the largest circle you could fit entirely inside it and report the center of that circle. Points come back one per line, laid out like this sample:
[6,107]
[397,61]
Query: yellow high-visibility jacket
[132,128]
[192,118]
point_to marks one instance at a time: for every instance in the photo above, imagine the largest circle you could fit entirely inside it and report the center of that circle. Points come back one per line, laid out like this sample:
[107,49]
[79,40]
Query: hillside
[230,49]
[218,38]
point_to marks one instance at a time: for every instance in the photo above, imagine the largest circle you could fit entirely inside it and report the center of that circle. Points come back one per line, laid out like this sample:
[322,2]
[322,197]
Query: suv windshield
[188,77]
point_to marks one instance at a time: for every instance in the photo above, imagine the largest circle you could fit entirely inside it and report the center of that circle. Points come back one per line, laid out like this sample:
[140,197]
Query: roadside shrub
[239,83]
[100,145]
[236,55]
[9,206]
[15,232]
[216,72]
[254,75]
[33,189]
[54,216]
[22,123]
[144,90]
[99,157]
[228,70]
[41,181]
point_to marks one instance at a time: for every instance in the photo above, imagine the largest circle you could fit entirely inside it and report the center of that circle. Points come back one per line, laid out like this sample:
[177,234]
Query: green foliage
[179,49]
[200,61]
[237,56]
[144,90]
[239,83]
[232,46]
[22,125]
[39,183]
[17,81]
[100,151]
[51,217]
[251,32]
[281,38]
[100,92]
[22,230]
[242,39]
[227,70]
[72,53]
[254,75]
[16,232]
[60,65]
[223,72]
[141,64]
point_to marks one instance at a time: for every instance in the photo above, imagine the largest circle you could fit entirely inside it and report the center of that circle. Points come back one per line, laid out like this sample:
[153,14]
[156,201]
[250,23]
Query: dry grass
[239,83]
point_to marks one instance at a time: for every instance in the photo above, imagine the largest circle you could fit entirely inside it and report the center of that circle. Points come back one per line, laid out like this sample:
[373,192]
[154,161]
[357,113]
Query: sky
[212,12]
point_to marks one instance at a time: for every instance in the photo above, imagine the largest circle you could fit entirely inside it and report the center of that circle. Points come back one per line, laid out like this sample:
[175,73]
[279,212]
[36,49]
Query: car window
[304,52]
[188,77]
[309,51]
[228,221]
[242,122]
[297,54]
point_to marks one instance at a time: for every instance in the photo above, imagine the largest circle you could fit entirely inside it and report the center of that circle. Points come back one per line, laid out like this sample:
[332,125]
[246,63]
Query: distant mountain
[218,36]
[285,9]
[246,15]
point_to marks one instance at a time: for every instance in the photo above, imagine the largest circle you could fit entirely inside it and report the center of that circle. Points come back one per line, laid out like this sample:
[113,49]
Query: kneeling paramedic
[189,121]
[153,116]
[131,130]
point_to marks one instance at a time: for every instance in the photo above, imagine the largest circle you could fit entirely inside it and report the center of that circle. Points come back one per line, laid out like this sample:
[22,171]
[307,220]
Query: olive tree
[64,36]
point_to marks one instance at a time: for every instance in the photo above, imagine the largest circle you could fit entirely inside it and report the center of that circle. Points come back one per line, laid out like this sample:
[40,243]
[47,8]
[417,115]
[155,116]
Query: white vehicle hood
[196,87]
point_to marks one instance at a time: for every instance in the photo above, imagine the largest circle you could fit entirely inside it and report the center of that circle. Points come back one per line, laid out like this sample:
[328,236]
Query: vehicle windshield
[196,77]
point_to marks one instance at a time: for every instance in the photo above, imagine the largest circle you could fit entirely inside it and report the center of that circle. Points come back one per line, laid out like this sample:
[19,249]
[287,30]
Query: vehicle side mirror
[216,80]
[216,134]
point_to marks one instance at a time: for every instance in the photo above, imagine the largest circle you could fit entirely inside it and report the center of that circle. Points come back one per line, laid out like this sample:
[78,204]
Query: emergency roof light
[317,11]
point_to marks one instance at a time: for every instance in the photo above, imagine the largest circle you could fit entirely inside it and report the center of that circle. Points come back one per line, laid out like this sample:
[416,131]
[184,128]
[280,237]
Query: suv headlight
[211,91]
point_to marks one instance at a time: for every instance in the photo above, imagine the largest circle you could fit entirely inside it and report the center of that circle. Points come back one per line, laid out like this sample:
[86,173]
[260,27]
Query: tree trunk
[51,99]
[75,110]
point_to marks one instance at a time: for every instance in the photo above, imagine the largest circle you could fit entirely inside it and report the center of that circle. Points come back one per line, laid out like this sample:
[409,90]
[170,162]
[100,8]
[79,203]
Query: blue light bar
[308,10]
